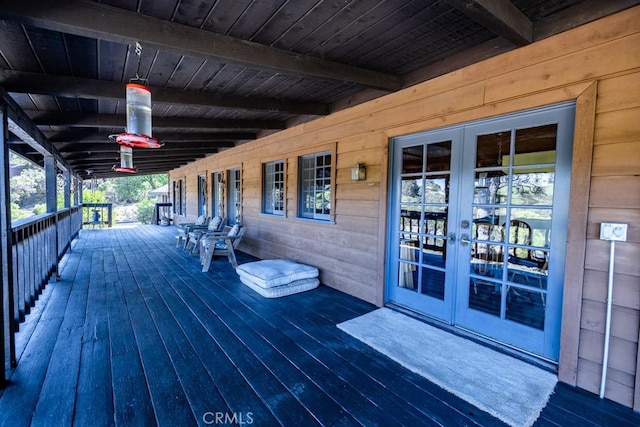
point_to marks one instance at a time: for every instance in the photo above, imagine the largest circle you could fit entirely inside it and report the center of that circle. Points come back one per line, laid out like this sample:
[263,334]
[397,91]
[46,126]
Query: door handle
[451,237]
[464,239]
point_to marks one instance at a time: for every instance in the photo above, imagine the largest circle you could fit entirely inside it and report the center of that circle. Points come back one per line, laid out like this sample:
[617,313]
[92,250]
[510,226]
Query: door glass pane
[439,157]
[535,226]
[533,186]
[490,187]
[434,229]
[433,282]
[529,272]
[493,149]
[536,145]
[525,307]
[412,190]
[409,220]
[412,159]
[485,296]
[408,278]
[511,231]
[436,189]
[423,218]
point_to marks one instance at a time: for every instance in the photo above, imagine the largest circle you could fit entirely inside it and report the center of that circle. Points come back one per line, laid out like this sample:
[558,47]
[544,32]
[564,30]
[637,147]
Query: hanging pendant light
[138,132]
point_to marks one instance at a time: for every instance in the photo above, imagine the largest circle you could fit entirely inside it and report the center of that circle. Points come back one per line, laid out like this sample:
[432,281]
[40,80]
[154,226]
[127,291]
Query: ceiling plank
[56,118]
[96,20]
[74,87]
[500,17]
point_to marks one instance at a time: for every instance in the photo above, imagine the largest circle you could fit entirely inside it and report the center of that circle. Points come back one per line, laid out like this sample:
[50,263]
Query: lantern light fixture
[359,172]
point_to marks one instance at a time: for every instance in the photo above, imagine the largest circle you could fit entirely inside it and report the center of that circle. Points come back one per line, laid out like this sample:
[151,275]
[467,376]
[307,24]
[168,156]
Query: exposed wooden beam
[500,17]
[96,20]
[56,118]
[112,146]
[165,137]
[74,87]
[82,157]
[106,163]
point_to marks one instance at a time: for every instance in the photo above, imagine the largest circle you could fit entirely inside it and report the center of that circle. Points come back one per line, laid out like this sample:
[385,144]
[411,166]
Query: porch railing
[38,243]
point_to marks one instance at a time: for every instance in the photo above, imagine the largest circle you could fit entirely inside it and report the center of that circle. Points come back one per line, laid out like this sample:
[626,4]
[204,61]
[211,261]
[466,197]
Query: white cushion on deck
[282,290]
[275,272]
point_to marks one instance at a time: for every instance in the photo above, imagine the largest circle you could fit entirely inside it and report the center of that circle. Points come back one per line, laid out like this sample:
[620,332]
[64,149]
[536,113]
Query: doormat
[505,387]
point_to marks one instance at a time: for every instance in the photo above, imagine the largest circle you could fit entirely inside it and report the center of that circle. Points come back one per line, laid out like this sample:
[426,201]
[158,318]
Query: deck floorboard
[133,333]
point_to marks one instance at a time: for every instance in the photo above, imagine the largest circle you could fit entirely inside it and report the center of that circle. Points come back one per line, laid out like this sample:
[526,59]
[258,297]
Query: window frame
[217,194]
[178,200]
[202,194]
[234,196]
[270,183]
[305,179]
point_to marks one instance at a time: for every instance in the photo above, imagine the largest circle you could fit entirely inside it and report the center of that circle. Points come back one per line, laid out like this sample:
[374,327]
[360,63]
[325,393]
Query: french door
[477,230]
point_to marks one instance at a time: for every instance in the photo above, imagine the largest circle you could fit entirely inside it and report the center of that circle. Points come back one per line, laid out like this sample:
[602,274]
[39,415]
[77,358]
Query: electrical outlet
[613,231]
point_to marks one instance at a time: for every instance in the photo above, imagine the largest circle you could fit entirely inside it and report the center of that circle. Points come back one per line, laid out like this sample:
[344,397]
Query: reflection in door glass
[485,296]
[493,150]
[439,157]
[533,186]
[423,217]
[433,283]
[512,213]
[412,159]
[526,307]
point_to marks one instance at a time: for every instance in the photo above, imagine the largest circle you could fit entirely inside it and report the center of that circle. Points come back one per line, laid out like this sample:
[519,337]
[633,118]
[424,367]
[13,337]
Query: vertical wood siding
[350,252]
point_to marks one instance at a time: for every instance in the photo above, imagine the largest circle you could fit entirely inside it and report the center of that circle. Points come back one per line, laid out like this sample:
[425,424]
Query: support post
[67,189]
[7,342]
[51,187]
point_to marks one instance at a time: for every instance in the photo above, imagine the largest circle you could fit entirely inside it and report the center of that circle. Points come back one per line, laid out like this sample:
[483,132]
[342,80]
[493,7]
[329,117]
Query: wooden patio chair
[219,244]
[216,225]
[183,229]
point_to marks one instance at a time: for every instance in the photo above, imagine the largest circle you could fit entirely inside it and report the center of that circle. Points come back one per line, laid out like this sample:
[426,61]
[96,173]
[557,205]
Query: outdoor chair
[184,229]
[216,225]
[220,244]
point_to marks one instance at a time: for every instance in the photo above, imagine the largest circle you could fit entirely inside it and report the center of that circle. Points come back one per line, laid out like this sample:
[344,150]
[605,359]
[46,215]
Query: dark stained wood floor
[133,334]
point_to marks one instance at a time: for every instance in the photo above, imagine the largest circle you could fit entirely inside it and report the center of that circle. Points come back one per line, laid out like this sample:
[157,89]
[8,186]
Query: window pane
[315,186]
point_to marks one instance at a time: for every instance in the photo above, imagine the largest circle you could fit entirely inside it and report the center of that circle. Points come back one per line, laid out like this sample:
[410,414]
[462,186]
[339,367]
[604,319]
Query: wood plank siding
[597,64]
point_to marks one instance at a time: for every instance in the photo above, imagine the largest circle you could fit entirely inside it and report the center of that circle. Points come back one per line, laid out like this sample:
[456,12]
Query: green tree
[28,187]
[17,213]
[93,196]
[133,189]
[145,211]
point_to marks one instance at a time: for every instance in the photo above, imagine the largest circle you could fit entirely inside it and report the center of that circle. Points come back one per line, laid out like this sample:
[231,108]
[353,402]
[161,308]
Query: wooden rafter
[166,137]
[116,121]
[499,16]
[74,87]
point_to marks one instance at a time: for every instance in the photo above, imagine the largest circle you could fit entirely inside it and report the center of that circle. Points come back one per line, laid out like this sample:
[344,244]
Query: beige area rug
[505,387]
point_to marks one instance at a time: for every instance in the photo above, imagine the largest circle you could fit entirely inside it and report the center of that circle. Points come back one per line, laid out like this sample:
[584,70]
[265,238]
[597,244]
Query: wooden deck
[134,334]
